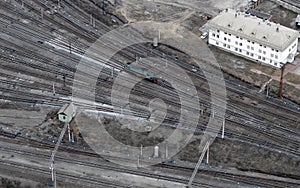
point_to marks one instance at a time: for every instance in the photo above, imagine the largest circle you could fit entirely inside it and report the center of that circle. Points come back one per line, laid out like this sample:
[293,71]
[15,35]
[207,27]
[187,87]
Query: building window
[218,36]
[248,53]
[229,34]
[272,49]
[259,51]
[259,57]
[252,48]
[276,56]
[252,42]
[264,52]
[224,45]
[225,38]
[241,50]
[228,46]
[241,44]
[275,64]
[248,41]
[276,50]
[225,33]
[217,43]
[264,59]
[252,54]
[265,47]
[272,55]
[248,47]
[218,31]
[236,43]
[271,61]
[237,37]
[236,49]
[229,40]
[213,35]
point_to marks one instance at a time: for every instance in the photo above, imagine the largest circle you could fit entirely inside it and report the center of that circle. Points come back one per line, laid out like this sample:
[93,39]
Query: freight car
[140,73]
[8,134]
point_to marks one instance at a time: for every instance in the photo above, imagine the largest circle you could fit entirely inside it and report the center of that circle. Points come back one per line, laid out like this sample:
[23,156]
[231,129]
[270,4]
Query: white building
[253,38]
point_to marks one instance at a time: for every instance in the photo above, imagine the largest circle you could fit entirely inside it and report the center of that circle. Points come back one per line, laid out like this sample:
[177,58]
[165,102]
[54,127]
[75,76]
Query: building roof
[67,109]
[258,14]
[255,29]
[298,18]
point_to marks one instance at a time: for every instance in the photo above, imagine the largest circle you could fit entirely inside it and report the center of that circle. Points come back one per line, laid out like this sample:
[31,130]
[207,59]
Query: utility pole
[54,179]
[42,14]
[158,35]
[136,59]
[94,23]
[54,152]
[70,47]
[69,133]
[198,165]
[281,83]
[91,19]
[201,109]
[72,136]
[207,154]
[53,87]
[167,154]
[112,73]
[223,128]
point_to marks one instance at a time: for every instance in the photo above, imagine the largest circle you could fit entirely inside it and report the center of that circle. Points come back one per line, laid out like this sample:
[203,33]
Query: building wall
[64,118]
[250,49]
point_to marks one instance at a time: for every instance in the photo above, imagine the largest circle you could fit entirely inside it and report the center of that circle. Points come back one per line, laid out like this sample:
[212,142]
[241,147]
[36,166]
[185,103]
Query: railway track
[45,171]
[241,179]
[144,116]
[294,3]
[282,137]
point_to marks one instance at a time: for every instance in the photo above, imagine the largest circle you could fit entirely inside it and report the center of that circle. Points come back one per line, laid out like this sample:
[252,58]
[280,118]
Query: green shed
[67,113]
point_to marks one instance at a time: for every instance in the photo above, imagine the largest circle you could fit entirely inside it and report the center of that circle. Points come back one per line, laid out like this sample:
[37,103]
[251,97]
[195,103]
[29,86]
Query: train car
[140,73]
[8,134]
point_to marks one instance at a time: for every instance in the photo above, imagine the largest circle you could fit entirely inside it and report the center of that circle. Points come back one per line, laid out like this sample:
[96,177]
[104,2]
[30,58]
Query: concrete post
[53,87]
[223,128]
[69,133]
[207,155]
[42,14]
[167,154]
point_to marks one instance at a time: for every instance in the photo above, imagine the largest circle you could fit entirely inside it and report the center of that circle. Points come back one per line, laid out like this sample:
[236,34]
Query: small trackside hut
[67,113]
